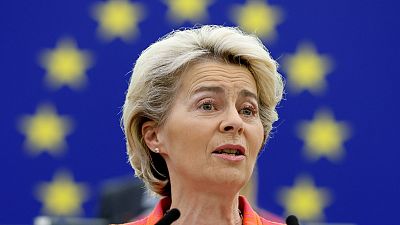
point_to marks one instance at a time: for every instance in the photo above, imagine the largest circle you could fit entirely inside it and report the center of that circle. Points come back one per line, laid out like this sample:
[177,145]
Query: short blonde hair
[155,79]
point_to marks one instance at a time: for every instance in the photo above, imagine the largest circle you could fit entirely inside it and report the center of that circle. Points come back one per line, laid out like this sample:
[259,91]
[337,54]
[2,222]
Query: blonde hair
[155,79]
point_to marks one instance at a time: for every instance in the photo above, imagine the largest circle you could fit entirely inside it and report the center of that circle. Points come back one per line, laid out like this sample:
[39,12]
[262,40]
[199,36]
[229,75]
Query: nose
[232,122]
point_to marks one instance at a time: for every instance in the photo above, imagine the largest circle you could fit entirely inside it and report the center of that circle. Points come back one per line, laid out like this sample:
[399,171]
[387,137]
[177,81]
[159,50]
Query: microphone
[292,220]
[169,217]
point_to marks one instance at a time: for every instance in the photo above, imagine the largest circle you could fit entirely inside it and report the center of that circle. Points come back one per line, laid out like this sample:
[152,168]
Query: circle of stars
[67,65]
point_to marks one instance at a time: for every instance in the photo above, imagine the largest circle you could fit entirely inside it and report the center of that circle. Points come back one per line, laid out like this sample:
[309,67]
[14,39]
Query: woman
[199,107]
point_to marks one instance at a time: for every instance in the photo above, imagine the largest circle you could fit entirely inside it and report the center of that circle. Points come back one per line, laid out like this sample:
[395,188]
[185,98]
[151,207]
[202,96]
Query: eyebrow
[215,89]
[218,89]
[246,93]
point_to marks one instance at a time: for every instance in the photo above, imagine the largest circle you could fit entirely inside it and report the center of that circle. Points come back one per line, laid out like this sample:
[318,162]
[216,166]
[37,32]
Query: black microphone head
[292,220]
[169,217]
[174,214]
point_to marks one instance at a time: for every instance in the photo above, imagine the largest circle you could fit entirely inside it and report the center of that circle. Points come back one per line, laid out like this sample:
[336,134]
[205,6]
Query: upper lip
[239,148]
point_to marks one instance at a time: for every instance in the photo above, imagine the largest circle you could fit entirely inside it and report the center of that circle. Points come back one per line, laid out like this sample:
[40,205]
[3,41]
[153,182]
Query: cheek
[188,135]
[256,138]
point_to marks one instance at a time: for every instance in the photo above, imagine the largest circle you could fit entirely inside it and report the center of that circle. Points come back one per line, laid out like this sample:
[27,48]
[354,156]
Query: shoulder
[137,222]
[155,215]
[267,222]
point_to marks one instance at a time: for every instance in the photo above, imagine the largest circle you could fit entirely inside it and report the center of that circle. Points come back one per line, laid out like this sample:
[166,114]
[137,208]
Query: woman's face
[213,132]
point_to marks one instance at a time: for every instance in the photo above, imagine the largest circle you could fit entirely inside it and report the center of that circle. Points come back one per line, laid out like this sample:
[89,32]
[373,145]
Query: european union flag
[65,65]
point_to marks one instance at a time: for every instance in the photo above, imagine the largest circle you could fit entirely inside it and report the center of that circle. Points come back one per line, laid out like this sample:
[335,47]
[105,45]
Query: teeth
[229,151]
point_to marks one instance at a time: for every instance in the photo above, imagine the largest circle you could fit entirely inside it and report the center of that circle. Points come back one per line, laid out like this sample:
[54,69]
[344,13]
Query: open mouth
[228,151]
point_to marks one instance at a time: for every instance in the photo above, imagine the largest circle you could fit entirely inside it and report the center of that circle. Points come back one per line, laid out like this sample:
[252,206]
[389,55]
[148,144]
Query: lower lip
[228,157]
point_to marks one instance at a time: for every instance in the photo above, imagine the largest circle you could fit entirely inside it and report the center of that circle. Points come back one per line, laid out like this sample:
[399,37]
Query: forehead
[217,73]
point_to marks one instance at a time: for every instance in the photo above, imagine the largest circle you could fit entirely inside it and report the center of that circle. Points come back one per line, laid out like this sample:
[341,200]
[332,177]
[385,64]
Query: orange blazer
[250,217]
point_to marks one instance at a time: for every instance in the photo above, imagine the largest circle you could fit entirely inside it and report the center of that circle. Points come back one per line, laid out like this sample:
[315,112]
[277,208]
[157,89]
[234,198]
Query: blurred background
[65,66]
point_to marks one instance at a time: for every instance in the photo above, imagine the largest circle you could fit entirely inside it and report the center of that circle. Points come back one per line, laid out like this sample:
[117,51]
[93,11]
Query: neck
[203,208]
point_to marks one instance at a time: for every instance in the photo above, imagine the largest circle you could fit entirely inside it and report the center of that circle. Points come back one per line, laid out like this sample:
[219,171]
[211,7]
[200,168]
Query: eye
[248,111]
[207,105]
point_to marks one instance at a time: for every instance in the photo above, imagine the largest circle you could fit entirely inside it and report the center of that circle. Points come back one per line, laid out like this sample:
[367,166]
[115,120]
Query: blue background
[362,37]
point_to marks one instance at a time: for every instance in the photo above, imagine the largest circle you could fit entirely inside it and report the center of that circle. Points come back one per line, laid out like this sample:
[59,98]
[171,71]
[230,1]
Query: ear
[149,133]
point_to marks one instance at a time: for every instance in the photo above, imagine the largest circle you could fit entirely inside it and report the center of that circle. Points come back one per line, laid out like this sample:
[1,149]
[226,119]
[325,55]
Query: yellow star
[62,196]
[187,10]
[118,19]
[324,136]
[45,131]
[258,17]
[304,199]
[66,64]
[306,69]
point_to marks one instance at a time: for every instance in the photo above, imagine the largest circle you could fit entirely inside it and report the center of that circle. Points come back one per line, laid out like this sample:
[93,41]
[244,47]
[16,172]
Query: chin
[231,178]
